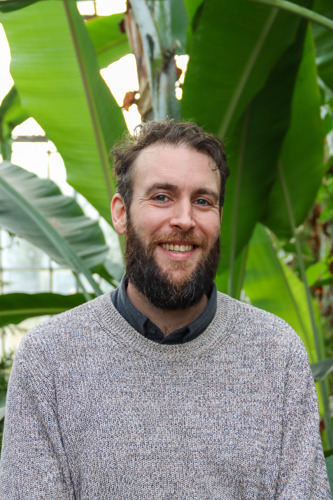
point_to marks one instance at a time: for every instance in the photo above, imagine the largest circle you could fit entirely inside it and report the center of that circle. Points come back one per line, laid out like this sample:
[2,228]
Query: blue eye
[161,197]
[202,201]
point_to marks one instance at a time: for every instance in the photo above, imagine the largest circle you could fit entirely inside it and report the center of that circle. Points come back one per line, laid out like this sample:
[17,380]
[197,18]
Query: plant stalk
[300,11]
[155,46]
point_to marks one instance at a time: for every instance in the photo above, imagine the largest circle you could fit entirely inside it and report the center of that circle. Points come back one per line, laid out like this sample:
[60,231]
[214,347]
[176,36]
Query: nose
[182,216]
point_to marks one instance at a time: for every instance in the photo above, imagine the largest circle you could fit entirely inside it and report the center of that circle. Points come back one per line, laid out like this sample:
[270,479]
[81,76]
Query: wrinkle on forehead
[169,146]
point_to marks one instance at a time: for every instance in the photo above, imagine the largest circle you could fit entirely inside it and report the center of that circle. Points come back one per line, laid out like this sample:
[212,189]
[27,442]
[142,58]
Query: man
[164,388]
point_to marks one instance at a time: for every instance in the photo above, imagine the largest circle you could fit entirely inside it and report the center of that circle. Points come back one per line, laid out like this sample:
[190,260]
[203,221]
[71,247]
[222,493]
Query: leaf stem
[300,11]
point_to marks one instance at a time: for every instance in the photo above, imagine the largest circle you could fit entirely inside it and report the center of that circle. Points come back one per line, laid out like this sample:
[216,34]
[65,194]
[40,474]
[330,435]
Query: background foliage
[258,76]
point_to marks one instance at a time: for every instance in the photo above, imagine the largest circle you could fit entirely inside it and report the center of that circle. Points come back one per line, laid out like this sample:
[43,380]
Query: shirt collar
[151,331]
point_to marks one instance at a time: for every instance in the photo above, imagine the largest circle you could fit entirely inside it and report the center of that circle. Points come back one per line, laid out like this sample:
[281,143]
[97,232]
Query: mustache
[179,237]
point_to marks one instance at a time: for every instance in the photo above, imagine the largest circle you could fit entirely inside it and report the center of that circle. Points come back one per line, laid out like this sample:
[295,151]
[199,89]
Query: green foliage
[329,465]
[305,127]
[16,307]
[321,369]
[272,286]
[109,41]
[35,209]
[65,92]
[11,114]
[324,43]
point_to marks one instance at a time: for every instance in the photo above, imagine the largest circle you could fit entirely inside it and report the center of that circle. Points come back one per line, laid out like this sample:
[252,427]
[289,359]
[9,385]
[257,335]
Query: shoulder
[259,326]
[67,330]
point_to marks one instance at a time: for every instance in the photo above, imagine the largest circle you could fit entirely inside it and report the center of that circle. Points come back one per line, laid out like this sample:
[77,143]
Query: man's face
[173,225]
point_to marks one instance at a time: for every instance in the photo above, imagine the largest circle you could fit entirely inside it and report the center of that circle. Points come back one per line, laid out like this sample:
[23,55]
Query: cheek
[211,226]
[151,219]
[146,224]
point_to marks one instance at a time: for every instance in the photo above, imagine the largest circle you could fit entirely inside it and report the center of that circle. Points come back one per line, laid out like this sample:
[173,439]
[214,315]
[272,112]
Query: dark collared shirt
[149,330]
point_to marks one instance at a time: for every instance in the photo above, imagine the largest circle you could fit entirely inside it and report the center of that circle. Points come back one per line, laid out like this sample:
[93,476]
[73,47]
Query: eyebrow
[161,186]
[174,188]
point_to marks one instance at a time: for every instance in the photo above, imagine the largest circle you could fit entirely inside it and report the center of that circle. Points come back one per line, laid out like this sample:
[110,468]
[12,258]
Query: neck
[167,321]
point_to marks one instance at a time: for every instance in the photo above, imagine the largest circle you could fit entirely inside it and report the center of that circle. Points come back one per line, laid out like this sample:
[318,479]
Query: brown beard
[155,284]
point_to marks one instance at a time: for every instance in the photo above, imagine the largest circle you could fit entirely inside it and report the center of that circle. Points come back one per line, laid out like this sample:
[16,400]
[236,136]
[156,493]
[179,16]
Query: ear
[221,213]
[118,214]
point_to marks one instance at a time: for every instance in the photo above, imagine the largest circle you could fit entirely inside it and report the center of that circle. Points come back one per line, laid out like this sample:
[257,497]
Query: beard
[156,284]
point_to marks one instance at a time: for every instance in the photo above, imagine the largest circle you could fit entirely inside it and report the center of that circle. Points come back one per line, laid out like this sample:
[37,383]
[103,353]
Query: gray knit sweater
[97,411]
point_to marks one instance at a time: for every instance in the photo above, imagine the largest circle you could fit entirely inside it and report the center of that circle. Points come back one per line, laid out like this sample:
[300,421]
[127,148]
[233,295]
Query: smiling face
[174,215]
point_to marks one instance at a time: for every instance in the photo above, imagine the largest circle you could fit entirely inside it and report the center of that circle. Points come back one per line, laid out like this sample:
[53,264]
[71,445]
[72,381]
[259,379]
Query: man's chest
[174,428]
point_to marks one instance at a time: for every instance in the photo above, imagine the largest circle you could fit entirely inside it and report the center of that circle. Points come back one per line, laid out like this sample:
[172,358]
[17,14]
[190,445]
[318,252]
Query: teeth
[177,248]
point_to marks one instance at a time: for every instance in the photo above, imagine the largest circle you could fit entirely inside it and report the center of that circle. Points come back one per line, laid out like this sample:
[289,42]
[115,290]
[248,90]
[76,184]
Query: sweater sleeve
[303,474]
[33,461]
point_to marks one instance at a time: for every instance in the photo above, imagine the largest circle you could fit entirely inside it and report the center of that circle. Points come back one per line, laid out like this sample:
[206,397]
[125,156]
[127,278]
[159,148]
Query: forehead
[178,164]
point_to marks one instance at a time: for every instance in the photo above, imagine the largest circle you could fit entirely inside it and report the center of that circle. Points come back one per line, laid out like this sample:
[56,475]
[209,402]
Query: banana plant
[11,115]
[65,92]
[16,307]
[36,210]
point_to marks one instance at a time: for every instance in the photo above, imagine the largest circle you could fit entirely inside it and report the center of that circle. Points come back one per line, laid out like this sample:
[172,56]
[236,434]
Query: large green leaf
[11,115]
[329,466]
[301,160]
[324,43]
[192,7]
[109,41]
[233,50]
[253,149]
[179,23]
[56,72]
[16,307]
[36,210]
[272,286]
[321,369]
[10,5]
